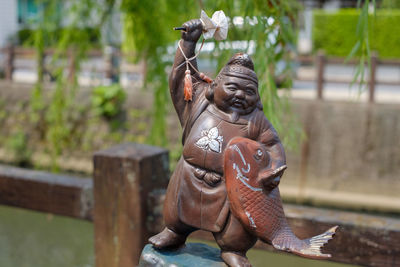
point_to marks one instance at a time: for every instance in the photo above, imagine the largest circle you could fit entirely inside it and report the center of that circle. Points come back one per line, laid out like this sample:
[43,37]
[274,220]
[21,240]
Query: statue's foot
[167,239]
[235,259]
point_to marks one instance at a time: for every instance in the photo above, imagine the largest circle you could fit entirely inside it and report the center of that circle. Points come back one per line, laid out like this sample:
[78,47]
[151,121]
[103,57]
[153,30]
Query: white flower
[211,140]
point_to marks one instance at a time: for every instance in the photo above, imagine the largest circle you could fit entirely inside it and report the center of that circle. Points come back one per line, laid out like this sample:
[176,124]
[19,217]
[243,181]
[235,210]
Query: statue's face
[234,94]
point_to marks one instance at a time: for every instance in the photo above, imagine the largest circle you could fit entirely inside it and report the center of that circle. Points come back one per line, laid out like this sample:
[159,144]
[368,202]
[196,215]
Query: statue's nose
[239,94]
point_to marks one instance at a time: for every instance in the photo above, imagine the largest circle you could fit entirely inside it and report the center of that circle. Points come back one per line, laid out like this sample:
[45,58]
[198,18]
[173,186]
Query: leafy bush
[25,35]
[335,32]
[18,144]
[108,100]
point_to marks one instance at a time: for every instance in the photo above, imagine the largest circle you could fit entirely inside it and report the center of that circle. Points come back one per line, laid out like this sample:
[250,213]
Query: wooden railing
[109,69]
[320,62]
[124,201]
[12,53]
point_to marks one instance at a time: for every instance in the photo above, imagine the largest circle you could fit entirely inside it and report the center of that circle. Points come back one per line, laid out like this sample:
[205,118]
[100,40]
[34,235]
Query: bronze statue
[224,129]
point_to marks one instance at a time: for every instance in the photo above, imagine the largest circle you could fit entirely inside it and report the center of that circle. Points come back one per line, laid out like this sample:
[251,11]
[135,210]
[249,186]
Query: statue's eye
[231,86]
[258,154]
[250,92]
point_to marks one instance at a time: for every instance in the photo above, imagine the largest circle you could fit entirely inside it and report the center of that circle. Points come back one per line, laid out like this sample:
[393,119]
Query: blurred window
[27,11]
[30,11]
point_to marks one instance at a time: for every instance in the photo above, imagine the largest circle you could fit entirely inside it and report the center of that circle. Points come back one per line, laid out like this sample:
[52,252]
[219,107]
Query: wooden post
[124,178]
[109,64]
[72,66]
[372,77]
[41,56]
[320,65]
[9,62]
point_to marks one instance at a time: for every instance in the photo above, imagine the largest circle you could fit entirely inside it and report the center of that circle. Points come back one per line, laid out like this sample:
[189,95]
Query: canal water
[35,239]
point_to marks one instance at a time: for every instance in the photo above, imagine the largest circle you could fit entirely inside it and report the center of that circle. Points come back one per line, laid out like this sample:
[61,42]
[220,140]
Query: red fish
[255,199]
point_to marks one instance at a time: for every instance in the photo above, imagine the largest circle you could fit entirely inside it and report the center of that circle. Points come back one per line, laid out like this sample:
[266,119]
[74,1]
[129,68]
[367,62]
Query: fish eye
[258,154]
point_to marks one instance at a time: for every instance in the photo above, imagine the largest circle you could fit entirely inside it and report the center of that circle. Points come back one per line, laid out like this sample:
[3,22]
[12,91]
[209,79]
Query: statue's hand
[194,29]
[270,179]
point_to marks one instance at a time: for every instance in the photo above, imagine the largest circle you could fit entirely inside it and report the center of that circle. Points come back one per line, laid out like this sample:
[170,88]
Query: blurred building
[8,20]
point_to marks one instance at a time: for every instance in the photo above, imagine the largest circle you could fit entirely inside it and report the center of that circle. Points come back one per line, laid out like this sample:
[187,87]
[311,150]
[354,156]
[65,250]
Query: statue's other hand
[269,178]
[194,29]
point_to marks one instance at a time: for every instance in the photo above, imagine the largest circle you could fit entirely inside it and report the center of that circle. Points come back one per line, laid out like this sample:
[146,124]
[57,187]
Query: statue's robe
[191,197]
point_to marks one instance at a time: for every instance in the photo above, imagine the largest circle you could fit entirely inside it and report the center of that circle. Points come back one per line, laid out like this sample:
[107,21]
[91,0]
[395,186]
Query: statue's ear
[260,105]
[210,91]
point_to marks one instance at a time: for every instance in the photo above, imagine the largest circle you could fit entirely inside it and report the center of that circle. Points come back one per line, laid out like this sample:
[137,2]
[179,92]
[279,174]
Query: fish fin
[314,245]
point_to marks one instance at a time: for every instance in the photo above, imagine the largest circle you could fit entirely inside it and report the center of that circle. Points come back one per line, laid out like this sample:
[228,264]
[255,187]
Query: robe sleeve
[265,134]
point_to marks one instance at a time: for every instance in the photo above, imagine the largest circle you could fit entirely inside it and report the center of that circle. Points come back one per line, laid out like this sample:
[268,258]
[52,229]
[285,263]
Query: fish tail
[309,248]
[314,244]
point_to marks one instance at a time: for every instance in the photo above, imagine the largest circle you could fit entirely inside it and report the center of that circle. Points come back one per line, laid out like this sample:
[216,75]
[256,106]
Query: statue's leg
[175,232]
[168,238]
[234,242]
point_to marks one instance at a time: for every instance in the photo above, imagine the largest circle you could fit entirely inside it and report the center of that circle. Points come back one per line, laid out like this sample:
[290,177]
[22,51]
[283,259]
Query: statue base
[192,254]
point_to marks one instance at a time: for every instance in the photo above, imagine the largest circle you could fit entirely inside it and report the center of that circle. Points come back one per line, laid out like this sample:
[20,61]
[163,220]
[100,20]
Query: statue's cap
[241,59]
[240,65]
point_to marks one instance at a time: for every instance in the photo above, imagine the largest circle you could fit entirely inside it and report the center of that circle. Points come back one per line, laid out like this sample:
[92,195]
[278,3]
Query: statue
[227,178]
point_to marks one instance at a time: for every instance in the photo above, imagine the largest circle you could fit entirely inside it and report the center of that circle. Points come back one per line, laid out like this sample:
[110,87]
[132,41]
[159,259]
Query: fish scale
[267,212]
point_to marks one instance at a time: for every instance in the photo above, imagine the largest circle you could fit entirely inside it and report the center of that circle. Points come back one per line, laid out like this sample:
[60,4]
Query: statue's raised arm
[187,46]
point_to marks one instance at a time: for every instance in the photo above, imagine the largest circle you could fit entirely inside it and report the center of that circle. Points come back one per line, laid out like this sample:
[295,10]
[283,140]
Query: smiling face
[236,95]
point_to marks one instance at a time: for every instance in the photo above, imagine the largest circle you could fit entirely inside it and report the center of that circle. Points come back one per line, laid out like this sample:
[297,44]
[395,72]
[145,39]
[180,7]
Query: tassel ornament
[188,86]
[187,82]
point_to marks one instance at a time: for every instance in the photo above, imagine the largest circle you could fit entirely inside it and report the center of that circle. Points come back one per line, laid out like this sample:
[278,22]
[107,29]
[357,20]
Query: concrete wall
[351,156]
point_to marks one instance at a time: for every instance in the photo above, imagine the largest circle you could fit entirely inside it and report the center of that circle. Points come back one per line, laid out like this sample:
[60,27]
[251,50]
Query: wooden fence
[12,53]
[110,69]
[320,62]
[124,201]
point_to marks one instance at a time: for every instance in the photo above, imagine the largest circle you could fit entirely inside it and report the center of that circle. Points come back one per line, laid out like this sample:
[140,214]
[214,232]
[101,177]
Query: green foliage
[16,136]
[26,36]
[148,31]
[336,33]
[390,4]
[108,101]
[58,122]
[17,143]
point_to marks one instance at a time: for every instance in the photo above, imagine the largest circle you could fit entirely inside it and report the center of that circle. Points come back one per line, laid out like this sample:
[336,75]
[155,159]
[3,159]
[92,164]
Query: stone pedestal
[192,254]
